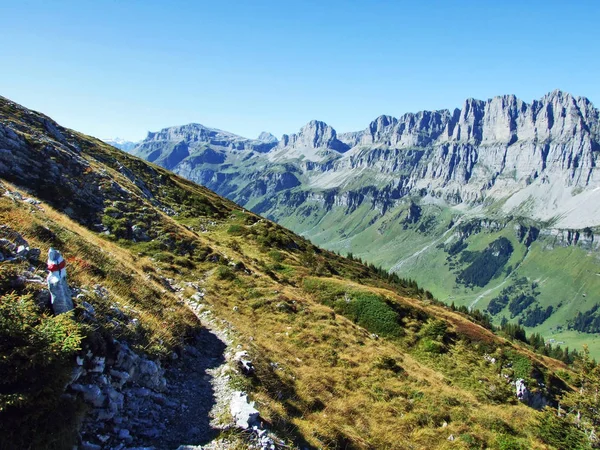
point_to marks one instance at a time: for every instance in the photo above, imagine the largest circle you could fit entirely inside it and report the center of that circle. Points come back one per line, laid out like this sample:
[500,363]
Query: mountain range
[430,195]
[121,144]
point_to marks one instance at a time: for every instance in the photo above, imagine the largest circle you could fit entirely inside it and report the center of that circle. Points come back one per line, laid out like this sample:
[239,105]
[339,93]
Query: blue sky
[124,67]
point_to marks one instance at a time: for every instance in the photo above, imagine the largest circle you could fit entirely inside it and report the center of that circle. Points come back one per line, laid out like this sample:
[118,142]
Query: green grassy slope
[566,276]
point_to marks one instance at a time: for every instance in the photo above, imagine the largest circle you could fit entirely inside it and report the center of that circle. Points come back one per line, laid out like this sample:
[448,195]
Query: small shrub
[507,442]
[388,363]
[431,346]
[120,228]
[36,357]
[276,256]
[225,273]
[237,230]
[559,433]
[434,329]
[164,257]
[235,246]
[471,441]
[184,262]
[371,312]
[521,366]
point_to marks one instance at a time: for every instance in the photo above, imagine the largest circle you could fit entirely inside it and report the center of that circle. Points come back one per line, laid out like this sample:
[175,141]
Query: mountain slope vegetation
[345,355]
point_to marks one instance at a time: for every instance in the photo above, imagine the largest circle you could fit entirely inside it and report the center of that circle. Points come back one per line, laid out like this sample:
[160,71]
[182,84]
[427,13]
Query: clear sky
[124,67]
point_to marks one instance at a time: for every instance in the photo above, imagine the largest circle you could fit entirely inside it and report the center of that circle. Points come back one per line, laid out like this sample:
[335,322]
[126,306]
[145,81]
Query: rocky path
[199,382]
[192,382]
[136,403]
[185,405]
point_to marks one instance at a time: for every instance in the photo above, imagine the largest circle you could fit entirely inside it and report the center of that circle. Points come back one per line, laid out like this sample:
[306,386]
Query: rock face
[171,146]
[522,391]
[267,137]
[315,134]
[243,411]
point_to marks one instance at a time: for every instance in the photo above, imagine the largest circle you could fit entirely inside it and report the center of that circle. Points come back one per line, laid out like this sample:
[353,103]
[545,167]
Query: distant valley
[495,206]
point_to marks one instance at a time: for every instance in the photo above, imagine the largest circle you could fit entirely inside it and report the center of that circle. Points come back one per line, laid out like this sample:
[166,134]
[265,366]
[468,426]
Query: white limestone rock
[243,412]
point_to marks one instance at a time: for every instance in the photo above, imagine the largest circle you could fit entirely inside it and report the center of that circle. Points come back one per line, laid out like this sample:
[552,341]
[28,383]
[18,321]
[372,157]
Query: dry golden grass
[334,393]
[161,313]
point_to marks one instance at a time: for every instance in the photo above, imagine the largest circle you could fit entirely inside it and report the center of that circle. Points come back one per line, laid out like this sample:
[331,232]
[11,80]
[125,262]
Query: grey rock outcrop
[267,137]
[124,393]
[315,134]
[243,411]
[244,362]
[522,391]
[39,155]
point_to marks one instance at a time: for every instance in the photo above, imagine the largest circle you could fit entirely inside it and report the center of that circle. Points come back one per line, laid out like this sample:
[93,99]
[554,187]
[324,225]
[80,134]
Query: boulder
[150,375]
[33,254]
[139,234]
[97,364]
[119,377]
[244,362]
[522,391]
[91,394]
[243,411]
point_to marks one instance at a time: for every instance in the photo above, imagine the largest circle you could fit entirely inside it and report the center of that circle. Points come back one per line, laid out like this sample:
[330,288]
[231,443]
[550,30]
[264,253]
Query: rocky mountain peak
[188,132]
[121,144]
[381,123]
[557,94]
[314,135]
[172,146]
[267,137]
[504,119]
[317,134]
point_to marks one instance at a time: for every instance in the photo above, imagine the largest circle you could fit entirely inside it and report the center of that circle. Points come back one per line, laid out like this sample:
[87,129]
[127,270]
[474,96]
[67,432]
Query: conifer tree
[583,403]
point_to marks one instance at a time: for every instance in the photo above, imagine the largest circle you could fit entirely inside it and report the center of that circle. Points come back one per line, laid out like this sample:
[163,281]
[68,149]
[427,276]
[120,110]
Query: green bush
[237,230]
[471,441]
[371,312]
[560,433]
[431,346]
[276,256]
[119,227]
[507,442]
[521,365]
[164,257]
[225,273]
[434,329]
[36,359]
[184,261]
